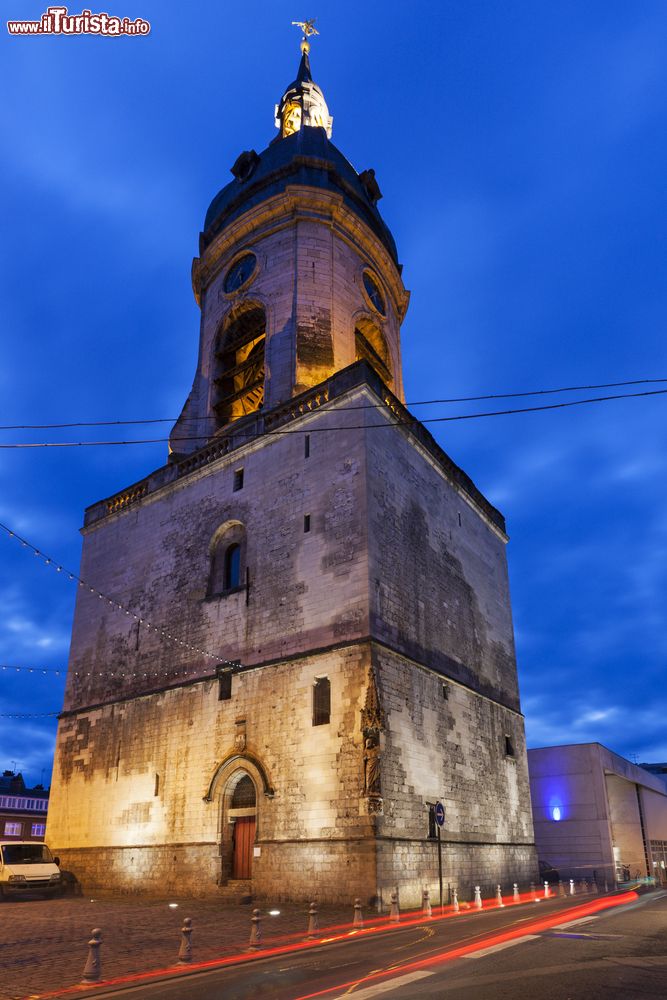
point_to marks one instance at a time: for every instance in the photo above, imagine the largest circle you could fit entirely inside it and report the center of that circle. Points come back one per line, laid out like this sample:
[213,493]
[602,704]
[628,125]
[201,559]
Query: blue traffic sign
[440,814]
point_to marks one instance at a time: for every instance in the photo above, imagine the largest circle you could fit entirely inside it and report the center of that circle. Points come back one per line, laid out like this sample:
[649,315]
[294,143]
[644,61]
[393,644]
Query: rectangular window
[306,446]
[156,789]
[445,692]
[38,829]
[432,825]
[509,747]
[238,480]
[12,829]
[225,686]
[321,701]
[306,523]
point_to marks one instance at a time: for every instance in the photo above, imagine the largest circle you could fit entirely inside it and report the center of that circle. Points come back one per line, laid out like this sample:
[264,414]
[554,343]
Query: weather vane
[308,28]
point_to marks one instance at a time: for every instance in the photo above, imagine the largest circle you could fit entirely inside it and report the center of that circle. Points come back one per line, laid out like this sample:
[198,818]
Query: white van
[28,868]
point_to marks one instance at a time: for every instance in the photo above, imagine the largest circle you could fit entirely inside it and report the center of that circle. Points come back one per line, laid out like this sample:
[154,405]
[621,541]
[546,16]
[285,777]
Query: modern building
[596,815]
[22,810]
[295,637]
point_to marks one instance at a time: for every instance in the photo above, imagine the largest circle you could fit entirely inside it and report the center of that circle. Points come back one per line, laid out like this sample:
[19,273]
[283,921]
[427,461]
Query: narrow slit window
[306,522]
[509,747]
[432,826]
[238,480]
[306,446]
[225,686]
[232,567]
[321,702]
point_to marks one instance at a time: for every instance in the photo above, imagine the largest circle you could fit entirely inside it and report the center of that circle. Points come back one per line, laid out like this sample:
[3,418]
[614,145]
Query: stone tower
[298,635]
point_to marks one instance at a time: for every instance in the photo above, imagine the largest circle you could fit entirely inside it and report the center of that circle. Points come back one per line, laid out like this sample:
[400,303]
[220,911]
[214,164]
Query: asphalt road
[618,954]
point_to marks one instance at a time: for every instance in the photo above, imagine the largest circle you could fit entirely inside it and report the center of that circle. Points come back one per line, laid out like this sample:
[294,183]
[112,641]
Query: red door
[244,838]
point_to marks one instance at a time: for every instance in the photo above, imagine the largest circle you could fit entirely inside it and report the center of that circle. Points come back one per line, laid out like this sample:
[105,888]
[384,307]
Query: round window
[240,271]
[373,292]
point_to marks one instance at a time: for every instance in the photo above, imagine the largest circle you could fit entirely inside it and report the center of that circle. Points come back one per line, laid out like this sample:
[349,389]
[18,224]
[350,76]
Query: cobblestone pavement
[43,943]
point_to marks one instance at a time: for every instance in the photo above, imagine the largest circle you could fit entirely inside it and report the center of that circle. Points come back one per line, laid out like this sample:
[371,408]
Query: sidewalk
[44,942]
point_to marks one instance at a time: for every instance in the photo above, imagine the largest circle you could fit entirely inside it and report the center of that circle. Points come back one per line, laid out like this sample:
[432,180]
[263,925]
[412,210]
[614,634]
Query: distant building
[22,810]
[658,769]
[597,815]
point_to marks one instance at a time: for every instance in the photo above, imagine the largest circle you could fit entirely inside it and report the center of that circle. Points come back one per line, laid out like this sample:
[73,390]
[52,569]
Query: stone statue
[372,766]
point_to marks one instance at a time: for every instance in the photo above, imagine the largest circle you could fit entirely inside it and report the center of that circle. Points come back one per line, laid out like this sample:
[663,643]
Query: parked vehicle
[28,868]
[548,873]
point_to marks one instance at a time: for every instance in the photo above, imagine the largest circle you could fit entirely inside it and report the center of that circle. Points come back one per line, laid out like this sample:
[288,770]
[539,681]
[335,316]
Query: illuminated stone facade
[307,527]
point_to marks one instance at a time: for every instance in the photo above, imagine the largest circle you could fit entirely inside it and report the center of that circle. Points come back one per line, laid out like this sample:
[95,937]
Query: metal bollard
[358,918]
[478,898]
[584,885]
[93,968]
[499,896]
[515,893]
[572,888]
[255,931]
[185,950]
[606,886]
[533,894]
[547,891]
[595,887]
[426,903]
[394,913]
[313,921]
[455,903]
[561,888]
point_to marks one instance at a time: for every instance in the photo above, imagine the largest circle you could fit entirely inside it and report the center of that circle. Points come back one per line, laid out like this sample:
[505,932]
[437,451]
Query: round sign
[440,814]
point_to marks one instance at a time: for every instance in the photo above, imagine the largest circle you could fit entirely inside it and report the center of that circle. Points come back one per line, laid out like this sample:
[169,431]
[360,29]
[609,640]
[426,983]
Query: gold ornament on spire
[308,28]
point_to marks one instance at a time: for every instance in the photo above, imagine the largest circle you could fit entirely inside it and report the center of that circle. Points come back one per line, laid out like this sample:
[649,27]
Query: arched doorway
[241,816]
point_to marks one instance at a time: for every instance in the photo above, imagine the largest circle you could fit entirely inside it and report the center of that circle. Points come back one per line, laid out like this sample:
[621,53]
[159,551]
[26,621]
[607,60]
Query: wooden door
[244,838]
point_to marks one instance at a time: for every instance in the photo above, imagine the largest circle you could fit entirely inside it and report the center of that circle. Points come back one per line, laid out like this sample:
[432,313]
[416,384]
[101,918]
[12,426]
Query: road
[527,952]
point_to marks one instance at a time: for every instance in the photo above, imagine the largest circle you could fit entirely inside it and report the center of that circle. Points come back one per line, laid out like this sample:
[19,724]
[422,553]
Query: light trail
[347,932]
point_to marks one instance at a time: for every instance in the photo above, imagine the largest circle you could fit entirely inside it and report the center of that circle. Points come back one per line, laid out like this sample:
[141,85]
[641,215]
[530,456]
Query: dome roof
[305,157]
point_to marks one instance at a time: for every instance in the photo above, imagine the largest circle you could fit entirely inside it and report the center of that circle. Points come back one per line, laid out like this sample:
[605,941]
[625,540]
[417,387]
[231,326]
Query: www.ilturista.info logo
[57,21]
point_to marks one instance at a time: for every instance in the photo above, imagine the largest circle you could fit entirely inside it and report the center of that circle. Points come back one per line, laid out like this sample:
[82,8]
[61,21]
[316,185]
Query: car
[548,873]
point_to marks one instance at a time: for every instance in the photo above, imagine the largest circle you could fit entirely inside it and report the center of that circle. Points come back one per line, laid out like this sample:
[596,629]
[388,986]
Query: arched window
[370,345]
[239,365]
[244,796]
[227,554]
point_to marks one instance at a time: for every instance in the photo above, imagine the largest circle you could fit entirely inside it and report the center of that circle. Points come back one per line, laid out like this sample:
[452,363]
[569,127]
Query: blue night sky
[521,148]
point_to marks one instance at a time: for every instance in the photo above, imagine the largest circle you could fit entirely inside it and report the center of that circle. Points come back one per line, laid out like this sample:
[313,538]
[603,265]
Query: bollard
[313,921]
[455,904]
[547,891]
[185,951]
[394,913]
[516,898]
[255,931]
[499,896]
[93,968]
[478,898]
[533,894]
[426,903]
[606,886]
[358,918]
[585,885]
[595,887]
[561,888]
[572,888]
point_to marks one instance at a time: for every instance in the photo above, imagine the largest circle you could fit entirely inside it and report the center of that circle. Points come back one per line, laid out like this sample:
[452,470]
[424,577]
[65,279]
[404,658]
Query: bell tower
[297,277]
[298,635]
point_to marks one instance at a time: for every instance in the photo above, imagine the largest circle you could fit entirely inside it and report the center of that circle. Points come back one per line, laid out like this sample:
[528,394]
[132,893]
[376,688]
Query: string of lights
[156,629]
[124,674]
[29,715]
[311,430]
[361,406]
